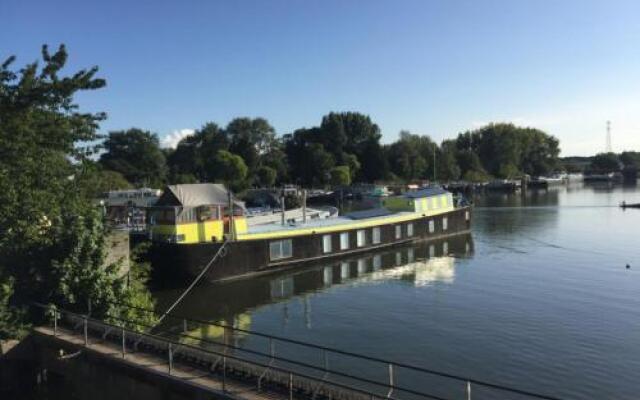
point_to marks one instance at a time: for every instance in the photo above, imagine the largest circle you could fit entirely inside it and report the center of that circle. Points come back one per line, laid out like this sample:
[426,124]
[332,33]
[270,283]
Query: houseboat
[190,223]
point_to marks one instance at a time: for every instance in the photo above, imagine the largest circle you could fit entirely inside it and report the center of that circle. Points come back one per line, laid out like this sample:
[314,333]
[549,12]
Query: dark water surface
[537,297]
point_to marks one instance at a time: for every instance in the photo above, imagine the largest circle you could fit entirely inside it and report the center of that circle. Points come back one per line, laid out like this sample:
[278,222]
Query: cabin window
[445,223]
[444,201]
[398,231]
[361,237]
[207,213]
[445,248]
[432,203]
[280,249]
[375,235]
[409,230]
[344,240]
[467,216]
[432,226]
[326,244]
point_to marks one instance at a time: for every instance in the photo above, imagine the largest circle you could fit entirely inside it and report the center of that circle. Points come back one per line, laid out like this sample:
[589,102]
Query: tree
[340,176]
[194,156]
[505,150]
[605,163]
[137,156]
[251,139]
[49,224]
[266,176]
[448,169]
[231,169]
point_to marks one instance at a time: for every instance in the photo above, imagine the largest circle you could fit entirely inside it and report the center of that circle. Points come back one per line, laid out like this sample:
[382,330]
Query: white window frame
[361,238]
[327,245]
[280,249]
[376,235]
[409,229]
[432,226]
[467,216]
[344,241]
[445,223]
[398,232]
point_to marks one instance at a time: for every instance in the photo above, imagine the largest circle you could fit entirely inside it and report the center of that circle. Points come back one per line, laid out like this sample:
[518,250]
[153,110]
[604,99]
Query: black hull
[174,264]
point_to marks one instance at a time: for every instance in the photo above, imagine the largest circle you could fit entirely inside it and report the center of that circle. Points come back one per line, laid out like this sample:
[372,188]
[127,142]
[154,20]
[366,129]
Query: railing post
[272,348]
[290,386]
[468,390]
[224,373]
[86,334]
[170,359]
[391,384]
[123,343]
[55,322]
[326,360]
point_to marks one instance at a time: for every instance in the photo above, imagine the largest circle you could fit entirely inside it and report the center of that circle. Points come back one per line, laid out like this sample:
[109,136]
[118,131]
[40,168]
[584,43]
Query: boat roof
[317,223]
[374,212]
[425,192]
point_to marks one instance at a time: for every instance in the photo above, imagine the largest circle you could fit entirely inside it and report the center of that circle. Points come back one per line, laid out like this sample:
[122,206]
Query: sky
[431,67]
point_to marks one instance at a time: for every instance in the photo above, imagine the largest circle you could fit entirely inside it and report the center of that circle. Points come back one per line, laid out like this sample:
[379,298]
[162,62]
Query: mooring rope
[219,253]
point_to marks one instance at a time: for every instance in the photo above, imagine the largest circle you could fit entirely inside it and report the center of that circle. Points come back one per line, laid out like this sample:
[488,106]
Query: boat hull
[176,263]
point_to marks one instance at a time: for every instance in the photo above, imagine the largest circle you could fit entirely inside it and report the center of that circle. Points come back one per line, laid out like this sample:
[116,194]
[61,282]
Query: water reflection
[418,264]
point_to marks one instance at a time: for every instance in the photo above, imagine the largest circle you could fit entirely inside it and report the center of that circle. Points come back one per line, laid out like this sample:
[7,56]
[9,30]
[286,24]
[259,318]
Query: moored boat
[191,223]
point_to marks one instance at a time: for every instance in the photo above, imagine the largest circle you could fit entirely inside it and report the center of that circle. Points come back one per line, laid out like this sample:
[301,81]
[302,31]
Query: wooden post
[124,343]
[86,337]
[304,205]
[282,208]
[170,359]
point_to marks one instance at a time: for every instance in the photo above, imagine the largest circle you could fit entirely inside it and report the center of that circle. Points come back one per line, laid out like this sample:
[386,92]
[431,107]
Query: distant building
[128,207]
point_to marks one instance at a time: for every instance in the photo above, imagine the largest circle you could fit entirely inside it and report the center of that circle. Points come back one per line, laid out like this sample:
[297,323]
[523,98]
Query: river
[537,297]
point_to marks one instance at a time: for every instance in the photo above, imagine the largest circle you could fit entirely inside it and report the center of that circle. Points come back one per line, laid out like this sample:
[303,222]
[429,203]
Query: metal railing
[388,387]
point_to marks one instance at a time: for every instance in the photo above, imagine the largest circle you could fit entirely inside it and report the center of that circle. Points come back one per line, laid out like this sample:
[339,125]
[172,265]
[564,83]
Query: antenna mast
[608,149]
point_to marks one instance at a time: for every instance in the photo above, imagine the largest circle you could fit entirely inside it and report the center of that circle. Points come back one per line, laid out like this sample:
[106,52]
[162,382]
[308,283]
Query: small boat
[629,205]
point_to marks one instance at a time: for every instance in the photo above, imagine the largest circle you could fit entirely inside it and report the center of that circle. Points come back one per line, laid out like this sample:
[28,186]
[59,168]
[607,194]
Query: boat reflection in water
[232,302]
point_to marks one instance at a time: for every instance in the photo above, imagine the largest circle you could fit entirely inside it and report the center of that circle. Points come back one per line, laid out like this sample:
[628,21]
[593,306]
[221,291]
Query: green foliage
[230,169]
[12,319]
[411,157]
[605,162]
[52,241]
[340,176]
[266,176]
[630,159]
[136,155]
[505,150]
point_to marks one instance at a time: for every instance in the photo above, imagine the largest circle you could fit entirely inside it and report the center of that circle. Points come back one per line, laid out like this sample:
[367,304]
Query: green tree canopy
[230,169]
[605,162]
[340,176]
[136,155]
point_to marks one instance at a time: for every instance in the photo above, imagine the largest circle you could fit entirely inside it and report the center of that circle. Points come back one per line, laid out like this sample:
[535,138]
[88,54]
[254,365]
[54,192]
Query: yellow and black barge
[191,222]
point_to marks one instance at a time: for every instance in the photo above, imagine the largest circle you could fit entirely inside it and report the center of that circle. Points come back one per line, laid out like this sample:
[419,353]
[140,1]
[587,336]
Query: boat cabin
[421,201]
[196,213]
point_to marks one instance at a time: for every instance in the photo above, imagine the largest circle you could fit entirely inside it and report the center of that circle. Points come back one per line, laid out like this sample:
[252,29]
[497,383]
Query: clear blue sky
[432,67]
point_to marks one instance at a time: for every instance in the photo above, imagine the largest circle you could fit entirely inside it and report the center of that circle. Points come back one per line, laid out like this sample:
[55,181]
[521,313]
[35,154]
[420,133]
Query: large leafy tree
[136,154]
[51,239]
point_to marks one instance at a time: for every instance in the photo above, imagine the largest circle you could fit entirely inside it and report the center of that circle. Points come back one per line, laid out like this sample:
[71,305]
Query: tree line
[344,148]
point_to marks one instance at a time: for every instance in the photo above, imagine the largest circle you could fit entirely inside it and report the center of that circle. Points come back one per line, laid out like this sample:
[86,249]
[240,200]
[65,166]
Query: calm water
[538,298]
